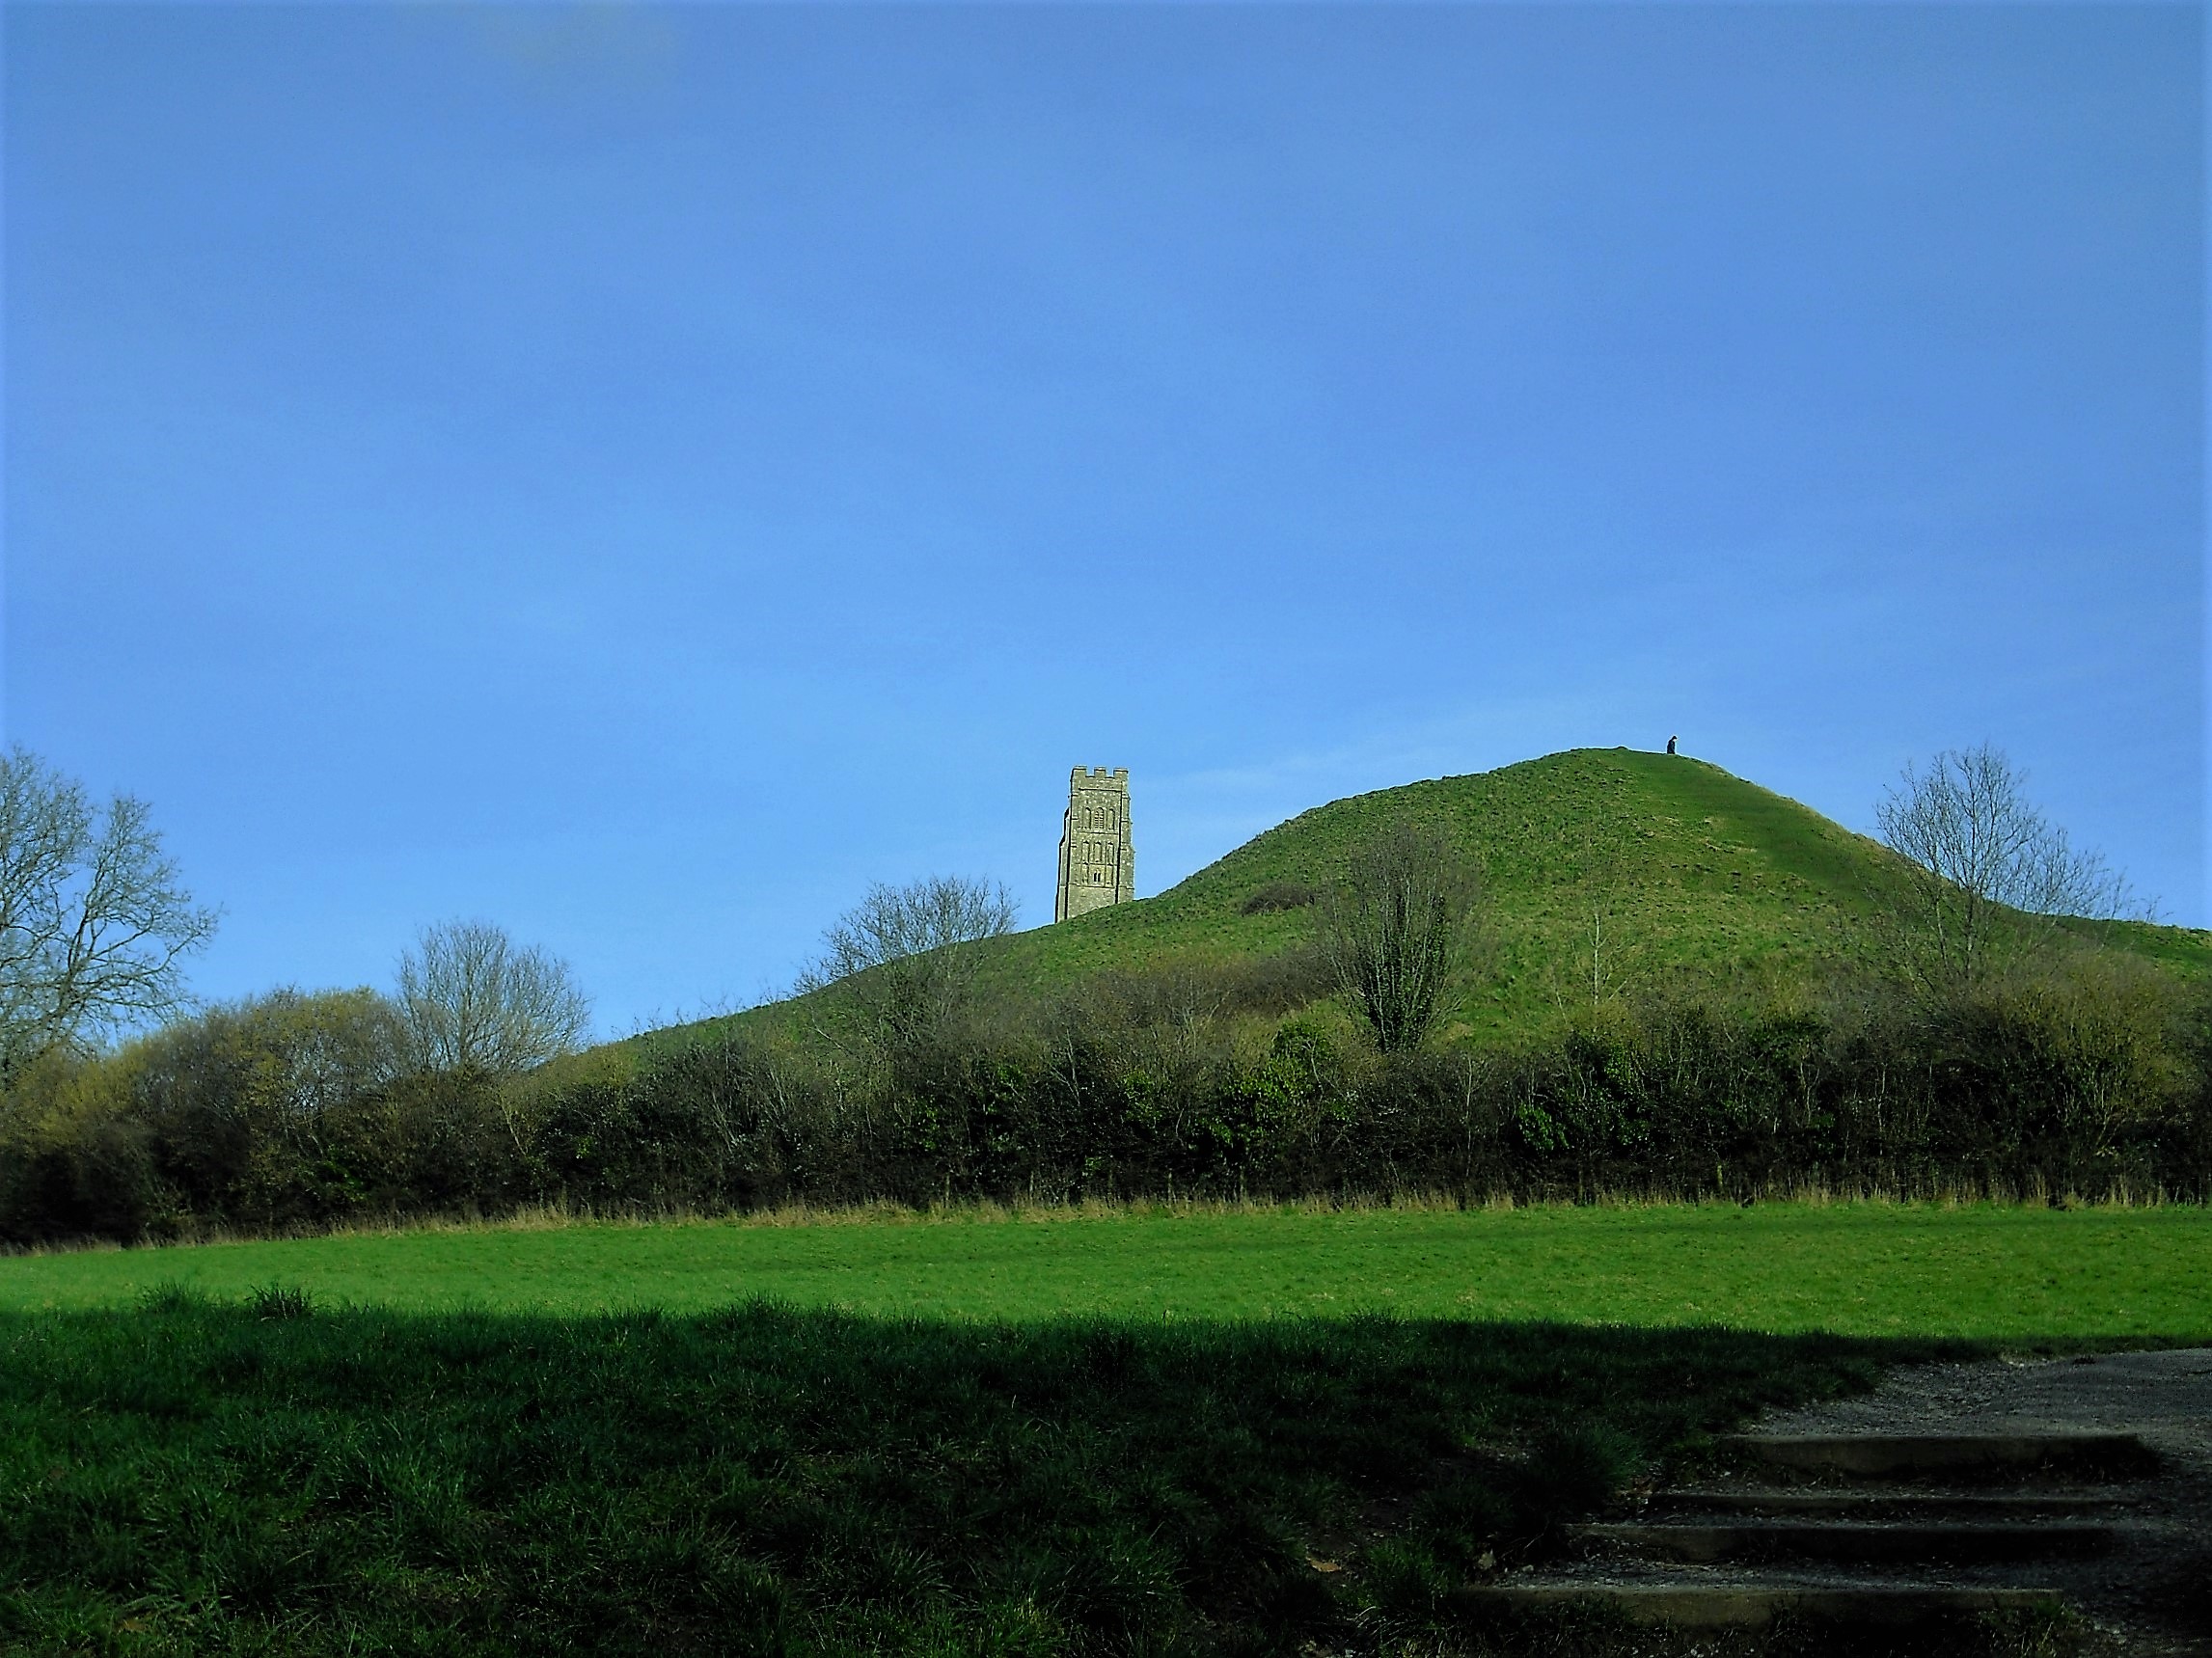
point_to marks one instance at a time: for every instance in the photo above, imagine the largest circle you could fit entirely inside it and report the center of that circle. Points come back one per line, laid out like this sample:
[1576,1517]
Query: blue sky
[641,473]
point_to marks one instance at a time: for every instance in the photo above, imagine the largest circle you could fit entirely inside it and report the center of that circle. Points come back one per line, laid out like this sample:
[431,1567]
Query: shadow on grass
[200,1478]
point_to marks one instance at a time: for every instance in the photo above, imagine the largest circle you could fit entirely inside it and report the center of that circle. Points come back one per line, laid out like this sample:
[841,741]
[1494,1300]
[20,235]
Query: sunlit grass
[1987,1271]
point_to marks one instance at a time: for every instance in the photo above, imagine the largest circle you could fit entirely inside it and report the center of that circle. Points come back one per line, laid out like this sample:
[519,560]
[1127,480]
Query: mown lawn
[1878,1269]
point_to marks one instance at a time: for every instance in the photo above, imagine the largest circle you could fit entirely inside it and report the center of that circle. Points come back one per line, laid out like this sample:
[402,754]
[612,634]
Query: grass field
[190,1478]
[1983,1271]
[1124,1431]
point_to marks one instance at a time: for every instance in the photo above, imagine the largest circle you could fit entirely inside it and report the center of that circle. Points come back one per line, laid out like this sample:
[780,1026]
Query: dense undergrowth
[191,1477]
[1190,1083]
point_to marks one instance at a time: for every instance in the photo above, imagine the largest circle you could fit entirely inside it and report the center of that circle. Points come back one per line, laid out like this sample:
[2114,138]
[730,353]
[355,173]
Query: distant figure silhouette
[1670,745]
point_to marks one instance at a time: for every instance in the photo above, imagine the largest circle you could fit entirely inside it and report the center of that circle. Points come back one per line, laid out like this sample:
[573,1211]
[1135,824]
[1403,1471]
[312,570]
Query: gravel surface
[2166,1397]
[2153,1593]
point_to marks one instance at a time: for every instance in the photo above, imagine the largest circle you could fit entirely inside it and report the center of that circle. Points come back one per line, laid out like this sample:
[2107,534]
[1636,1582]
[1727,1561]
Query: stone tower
[1098,859]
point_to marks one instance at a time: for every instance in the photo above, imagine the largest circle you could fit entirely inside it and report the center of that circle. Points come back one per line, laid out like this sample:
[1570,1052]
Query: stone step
[2093,1454]
[1860,1504]
[1849,1539]
[1748,1603]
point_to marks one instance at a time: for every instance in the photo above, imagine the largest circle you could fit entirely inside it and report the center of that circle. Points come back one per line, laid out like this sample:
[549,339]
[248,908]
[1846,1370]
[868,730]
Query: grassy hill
[1607,872]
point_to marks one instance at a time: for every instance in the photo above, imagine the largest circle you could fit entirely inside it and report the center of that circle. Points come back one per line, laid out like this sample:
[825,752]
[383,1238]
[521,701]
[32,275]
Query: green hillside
[1607,872]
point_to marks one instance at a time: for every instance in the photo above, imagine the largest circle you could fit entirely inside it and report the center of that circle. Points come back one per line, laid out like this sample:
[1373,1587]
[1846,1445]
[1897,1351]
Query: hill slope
[1606,872]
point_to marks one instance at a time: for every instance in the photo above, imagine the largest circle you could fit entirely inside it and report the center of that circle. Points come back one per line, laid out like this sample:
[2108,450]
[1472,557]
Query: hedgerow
[289,1113]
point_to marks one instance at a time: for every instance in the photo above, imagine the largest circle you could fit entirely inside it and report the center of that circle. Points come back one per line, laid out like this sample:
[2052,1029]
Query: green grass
[1135,1431]
[191,1477]
[1861,1268]
[1699,882]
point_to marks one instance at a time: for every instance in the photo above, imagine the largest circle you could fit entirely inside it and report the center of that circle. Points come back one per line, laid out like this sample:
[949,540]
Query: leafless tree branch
[1393,932]
[906,954]
[1987,873]
[95,920]
[471,999]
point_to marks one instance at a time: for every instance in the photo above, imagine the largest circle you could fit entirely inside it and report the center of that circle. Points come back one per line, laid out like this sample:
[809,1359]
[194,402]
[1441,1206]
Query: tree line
[1251,1082]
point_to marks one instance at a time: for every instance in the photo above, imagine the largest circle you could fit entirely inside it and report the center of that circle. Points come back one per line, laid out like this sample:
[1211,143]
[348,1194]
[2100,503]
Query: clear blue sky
[640,473]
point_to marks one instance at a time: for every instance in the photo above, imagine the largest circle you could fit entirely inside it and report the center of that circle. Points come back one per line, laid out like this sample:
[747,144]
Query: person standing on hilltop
[1670,745]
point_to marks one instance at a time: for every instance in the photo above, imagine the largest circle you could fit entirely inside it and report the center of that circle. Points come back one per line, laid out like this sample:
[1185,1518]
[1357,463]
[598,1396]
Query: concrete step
[1827,1539]
[1749,1603]
[2107,1455]
[1903,1504]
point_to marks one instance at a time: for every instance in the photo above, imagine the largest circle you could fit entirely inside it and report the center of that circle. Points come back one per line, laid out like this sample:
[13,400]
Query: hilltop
[1606,872]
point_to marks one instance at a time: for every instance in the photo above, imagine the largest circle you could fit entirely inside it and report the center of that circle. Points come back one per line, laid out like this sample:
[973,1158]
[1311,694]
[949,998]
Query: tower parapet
[1098,856]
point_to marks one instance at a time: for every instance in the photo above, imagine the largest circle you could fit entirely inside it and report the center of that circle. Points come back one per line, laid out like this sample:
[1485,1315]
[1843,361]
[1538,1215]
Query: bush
[1280,895]
[706,1125]
[289,1110]
[73,1160]
[246,1107]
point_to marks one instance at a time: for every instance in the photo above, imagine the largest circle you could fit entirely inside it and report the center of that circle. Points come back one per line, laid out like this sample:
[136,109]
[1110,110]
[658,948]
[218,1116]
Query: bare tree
[1393,934]
[95,922]
[471,999]
[1987,873]
[908,954]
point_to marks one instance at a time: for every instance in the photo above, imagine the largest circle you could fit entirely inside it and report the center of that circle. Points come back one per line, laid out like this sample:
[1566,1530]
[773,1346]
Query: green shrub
[1189,1080]
[74,1161]
[1279,895]
[247,1105]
